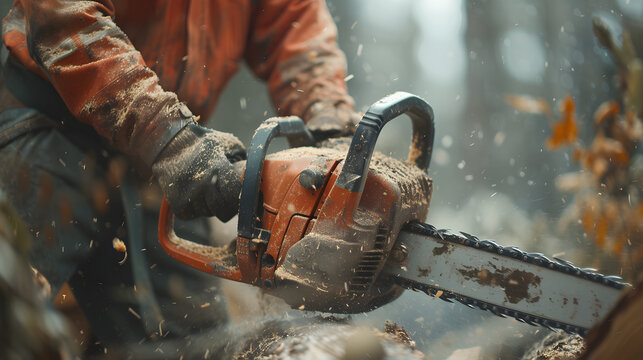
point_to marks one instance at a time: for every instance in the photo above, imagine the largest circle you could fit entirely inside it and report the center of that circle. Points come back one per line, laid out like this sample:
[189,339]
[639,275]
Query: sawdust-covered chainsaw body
[316,224]
[338,228]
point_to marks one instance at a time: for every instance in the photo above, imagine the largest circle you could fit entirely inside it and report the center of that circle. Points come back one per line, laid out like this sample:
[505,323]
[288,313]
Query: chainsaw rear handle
[355,169]
[236,263]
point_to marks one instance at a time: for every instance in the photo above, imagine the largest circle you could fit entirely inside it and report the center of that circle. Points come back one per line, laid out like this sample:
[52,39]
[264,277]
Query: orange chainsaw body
[317,232]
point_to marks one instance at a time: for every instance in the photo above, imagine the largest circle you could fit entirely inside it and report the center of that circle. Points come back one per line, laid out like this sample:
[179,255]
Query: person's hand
[328,120]
[196,173]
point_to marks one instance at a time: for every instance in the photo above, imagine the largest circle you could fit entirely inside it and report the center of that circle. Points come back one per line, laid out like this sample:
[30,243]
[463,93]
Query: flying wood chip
[610,149]
[119,245]
[529,104]
[606,110]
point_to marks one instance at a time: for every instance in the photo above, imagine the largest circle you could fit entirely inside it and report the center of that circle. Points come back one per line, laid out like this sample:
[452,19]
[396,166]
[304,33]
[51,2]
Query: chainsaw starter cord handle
[355,168]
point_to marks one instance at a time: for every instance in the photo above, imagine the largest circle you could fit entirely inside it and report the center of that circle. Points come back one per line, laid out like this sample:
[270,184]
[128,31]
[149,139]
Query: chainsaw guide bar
[504,280]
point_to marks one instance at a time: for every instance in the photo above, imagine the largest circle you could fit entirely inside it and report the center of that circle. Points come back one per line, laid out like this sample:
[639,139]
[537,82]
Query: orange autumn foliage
[601,231]
[619,245]
[565,131]
[599,206]
[606,110]
[588,222]
[603,153]
[608,197]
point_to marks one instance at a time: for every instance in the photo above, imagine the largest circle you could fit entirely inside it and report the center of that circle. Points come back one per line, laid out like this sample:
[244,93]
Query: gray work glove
[196,174]
[327,120]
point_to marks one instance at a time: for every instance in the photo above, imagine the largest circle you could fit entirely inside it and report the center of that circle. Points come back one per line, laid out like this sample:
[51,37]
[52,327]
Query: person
[103,100]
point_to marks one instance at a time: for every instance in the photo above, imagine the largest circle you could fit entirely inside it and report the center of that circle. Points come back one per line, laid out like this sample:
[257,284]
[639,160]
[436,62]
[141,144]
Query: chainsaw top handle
[353,175]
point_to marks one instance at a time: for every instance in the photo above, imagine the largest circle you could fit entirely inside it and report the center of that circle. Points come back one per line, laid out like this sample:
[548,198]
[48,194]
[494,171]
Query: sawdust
[324,337]
[46,51]
[210,252]
[125,98]
[222,257]
[415,151]
[556,346]
[298,276]
[313,152]
[399,334]
[196,175]
[416,187]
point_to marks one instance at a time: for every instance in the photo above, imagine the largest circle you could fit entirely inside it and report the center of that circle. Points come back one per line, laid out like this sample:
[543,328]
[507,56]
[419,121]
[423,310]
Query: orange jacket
[103,58]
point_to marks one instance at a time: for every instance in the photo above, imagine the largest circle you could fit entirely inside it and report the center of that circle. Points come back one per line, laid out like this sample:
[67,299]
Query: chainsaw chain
[513,252]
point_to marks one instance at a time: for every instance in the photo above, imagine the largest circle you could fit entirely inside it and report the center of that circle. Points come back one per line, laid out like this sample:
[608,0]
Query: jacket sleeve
[96,70]
[293,47]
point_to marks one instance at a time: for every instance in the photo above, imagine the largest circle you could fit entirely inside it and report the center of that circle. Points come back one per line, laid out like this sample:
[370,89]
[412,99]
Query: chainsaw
[339,229]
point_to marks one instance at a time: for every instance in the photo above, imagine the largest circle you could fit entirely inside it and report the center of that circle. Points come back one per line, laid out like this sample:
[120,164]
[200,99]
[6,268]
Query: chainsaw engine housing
[333,251]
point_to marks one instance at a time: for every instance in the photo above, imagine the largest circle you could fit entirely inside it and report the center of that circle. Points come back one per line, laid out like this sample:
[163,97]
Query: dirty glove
[196,174]
[326,120]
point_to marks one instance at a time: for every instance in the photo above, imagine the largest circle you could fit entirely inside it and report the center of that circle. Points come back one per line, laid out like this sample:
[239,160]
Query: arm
[293,47]
[104,82]
[96,70]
